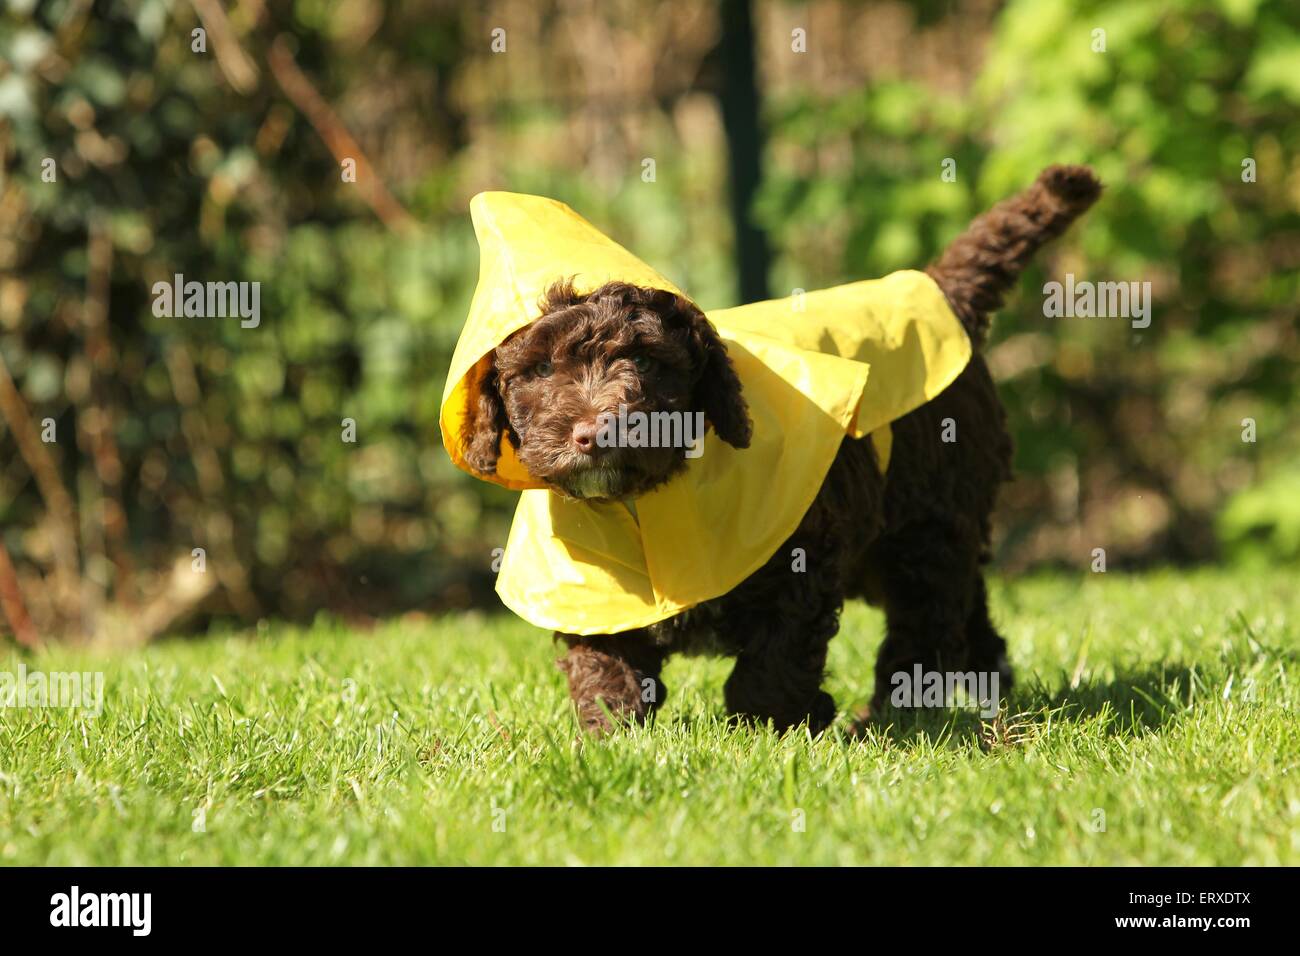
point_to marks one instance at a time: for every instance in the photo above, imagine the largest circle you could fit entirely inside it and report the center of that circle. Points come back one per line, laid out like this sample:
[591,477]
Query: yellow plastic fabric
[815,367]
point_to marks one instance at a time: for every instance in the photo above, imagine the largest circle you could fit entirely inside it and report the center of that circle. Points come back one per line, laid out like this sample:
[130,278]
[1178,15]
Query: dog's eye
[543,369]
[643,363]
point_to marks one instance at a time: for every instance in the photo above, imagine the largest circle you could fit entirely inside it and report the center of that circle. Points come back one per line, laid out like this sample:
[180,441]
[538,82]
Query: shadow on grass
[1134,701]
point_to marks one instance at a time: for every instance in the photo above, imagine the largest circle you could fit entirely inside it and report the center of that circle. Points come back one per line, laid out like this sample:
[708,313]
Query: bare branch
[11,602]
[311,104]
[60,511]
[239,71]
[96,420]
[216,531]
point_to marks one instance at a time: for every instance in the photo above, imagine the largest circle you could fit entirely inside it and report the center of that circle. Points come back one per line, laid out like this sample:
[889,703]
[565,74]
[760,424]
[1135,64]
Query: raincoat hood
[815,367]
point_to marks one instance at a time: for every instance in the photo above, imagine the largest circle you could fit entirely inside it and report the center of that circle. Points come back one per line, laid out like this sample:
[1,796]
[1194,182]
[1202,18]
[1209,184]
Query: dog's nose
[584,437]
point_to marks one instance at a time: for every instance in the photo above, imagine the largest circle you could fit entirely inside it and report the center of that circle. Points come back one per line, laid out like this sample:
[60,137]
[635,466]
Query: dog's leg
[779,623]
[620,671]
[927,570]
[779,674]
[986,647]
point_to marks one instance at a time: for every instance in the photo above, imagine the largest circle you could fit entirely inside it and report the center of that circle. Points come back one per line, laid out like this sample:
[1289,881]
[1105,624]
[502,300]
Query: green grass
[1167,702]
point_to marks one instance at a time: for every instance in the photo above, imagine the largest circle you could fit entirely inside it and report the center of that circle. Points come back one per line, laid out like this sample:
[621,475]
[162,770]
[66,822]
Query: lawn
[1155,722]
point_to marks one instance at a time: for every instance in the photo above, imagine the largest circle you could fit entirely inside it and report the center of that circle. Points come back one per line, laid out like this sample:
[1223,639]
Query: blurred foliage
[1127,440]
[1125,430]
[357,322]
[1260,526]
[195,180]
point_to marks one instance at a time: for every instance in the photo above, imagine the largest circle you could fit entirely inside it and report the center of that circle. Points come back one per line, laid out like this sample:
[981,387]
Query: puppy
[911,539]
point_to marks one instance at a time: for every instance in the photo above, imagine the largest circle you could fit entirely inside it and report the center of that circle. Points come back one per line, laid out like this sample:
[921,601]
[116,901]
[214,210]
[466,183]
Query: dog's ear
[717,390]
[485,422]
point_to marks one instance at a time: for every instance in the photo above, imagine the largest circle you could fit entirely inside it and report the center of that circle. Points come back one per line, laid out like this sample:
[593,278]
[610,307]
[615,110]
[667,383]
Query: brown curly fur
[911,540]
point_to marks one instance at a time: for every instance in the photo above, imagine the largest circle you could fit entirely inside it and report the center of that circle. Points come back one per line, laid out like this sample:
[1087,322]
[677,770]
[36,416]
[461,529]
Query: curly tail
[981,265]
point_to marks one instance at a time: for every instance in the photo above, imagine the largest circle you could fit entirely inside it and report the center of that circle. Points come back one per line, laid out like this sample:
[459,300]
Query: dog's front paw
[816,716]
[597,718]
[822,713]
[607,689]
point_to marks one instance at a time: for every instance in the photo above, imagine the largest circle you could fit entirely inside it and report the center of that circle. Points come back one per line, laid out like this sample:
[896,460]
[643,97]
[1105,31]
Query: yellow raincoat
[815,367]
